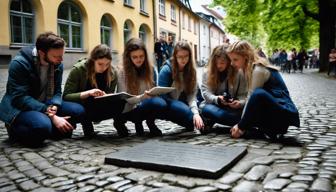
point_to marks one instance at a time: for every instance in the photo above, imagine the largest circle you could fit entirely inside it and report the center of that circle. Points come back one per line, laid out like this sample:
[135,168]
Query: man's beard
[46,59]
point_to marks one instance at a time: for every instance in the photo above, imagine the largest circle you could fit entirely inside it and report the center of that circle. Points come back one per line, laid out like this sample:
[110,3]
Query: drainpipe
[180,24]
[154,19]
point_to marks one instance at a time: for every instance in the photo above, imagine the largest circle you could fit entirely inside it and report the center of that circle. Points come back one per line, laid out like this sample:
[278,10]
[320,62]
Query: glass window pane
[16,29]
[76,37]
[28,29]
[105,21]
[106,37]
[63,12]
[15,5]
[75,14]
[63,31]
[26,7]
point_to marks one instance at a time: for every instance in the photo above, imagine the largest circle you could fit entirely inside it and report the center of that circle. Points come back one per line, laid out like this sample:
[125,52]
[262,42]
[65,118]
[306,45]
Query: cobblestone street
[78,165]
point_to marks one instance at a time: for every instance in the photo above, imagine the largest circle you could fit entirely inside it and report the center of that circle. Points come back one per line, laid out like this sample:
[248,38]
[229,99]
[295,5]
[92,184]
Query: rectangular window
[142,6]
[162,7]
[195,27]
[173,13]
[128,2]
[189,24]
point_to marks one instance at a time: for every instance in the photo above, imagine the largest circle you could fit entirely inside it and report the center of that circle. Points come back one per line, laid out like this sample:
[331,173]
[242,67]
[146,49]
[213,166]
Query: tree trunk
[327,32]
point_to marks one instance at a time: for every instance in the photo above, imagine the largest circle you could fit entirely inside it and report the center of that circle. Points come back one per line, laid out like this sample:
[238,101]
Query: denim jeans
[33,127]
[179,112]
[149,109]
[263,111]
[224,116]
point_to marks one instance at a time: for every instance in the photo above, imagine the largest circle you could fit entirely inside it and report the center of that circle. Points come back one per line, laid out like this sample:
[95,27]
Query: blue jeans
[179,113]
[263,111]
[148,109]
[224,116]
[33,127]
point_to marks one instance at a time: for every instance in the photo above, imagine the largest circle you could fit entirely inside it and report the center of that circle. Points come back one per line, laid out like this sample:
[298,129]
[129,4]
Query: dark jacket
[23,86]
[78,79]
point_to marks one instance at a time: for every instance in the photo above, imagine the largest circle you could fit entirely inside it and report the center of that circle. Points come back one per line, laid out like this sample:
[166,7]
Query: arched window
[142,33]
[69,21]
[22,22]
[106,31]
[127,31]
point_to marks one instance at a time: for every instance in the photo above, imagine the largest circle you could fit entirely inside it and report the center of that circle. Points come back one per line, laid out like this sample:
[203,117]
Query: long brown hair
[132,74]
[246,50]
[214,75]
[189,70]
[99,52]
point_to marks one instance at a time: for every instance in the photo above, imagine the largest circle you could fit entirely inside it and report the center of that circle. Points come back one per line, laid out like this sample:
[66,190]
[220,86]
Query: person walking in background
[302,58]
[160,51]
[32,107]
[224,90]
[136,76]
[332,61]
[91,77]
[180,72]
[269,106]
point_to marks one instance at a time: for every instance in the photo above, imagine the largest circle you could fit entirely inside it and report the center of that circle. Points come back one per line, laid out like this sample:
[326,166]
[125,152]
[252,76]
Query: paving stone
[266,160]
[84,178]
[246,186]
[118,184]
[168,189]
[137,188]
[270,176]
[43,189]
[257,172]
[28,185]
[56,172]
[302,178]
[276,184]
[48,182]
[321,184]
[62,183]
[8,188]
[297,185]
[114,179]
[204,189]
[230,177]
[223,187]
[142,176]
[125,187]
[87,188]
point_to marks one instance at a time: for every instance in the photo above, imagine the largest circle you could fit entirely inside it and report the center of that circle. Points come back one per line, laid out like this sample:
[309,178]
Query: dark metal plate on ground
[180,158]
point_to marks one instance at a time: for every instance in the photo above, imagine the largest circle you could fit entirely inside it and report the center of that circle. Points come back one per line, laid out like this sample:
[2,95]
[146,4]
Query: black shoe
[154,130]
[121,128]
[208,124]
[88,130]
[139,129]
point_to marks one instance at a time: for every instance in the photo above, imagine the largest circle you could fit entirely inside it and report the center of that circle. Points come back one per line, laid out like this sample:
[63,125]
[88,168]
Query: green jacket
[77,81]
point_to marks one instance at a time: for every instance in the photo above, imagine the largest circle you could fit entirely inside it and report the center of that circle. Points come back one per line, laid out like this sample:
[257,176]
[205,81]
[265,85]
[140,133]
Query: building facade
[175,19]
[82,23]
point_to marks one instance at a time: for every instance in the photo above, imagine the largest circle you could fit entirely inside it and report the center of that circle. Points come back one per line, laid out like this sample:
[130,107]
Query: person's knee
[159,103]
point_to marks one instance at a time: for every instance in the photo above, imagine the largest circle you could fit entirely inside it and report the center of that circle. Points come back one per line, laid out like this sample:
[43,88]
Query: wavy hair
[247,51]
[189,71]
[99,52]
[214,75]
[132,74]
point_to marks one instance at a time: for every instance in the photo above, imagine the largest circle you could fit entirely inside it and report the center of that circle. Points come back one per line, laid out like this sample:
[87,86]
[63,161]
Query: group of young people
[239,88]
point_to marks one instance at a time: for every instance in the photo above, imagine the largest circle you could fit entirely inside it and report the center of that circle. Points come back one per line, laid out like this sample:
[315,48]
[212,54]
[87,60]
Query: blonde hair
[214,75]
[247,51]
[189,71]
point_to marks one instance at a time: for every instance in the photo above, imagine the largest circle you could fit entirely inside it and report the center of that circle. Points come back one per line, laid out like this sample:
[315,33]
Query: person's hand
[198,122]
[61,123]
[51,110]
[147,95]
[221,101]
[235,104]
[236,132]
[93,93]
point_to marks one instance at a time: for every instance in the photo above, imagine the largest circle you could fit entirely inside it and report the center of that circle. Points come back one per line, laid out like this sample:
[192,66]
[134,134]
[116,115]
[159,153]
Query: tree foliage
[274,23]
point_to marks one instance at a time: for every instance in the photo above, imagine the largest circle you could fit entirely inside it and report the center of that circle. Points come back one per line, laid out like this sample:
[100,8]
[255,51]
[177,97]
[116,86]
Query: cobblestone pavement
[78,165]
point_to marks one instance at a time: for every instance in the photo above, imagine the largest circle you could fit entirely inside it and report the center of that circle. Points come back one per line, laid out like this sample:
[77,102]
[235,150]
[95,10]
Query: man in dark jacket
[32,107]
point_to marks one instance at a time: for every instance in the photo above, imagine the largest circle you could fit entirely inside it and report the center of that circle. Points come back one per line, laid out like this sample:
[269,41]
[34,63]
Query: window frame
[23,28]
[162,8]
[104,28]
[70,25]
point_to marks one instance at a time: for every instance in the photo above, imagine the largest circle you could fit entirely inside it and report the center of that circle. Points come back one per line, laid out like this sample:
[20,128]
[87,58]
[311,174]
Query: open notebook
[155,91]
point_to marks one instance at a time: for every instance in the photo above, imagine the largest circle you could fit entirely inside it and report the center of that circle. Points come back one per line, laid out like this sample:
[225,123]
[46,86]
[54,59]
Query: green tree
[283,23]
